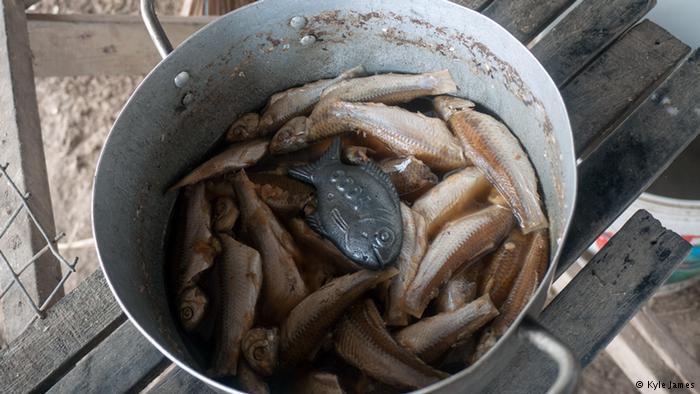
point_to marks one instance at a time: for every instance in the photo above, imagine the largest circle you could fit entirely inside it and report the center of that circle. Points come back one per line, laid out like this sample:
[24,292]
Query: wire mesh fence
[39,306]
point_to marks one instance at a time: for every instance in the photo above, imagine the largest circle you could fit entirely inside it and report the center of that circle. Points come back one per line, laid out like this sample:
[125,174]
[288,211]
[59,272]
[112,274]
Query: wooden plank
[634,356]
[67,45]
[51,346]
[582,34]
[123,360]
[21,146]
[633,156]
[525,18]
[618,79]
[614,285]
[475,5]
[667,348]
[176,380]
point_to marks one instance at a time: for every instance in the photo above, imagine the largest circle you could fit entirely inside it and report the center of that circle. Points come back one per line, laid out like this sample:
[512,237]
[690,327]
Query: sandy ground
[76,115]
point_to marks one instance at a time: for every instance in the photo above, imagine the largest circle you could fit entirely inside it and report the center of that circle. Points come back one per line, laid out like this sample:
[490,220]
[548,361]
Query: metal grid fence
[51,246]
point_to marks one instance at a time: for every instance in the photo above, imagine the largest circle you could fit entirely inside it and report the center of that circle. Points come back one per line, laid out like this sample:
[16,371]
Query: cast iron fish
[358,208]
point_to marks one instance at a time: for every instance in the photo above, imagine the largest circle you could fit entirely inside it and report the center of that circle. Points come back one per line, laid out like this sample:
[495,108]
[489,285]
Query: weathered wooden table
[632,91]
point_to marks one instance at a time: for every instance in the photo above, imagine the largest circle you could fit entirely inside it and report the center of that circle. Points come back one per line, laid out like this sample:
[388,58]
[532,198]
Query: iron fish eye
[384,236]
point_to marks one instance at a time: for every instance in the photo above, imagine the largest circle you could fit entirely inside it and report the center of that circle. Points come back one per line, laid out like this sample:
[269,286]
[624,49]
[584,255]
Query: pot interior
[237,62]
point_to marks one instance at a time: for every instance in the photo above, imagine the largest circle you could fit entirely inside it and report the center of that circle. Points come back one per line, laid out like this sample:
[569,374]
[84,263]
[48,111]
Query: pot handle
[155,29]
[544,341]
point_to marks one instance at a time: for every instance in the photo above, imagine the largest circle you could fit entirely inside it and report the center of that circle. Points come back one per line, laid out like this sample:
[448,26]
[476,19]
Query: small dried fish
[260,347]
[311,319]
[446,106]
[323,249]
[193,305]
[318,382]
[198,249]
[451,198]
[197,252]
[298,101]
[409,175]
[415,243]
[431,337]
[250,381]
[284,195]
[283,286]
[492,147]
[460,290]
[240,279]
[245,128]
[225,214]
[220,188]
[237,156]
[362,340]
[391,88]
[292,136]
[460,242]
[384,128]
[279,179]
[503,266]
[524,288]
[194,253]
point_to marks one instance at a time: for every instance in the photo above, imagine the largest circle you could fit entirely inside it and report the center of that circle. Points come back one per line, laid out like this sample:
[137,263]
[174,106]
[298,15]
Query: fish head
[384,245]
[446,106]
[244,128]
[373,243]
[291,137]
[266,123]
[192,307]
[358,246]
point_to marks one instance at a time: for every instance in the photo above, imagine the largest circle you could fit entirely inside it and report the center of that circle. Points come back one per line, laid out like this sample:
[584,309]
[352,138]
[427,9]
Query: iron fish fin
[373,169]
[304,173]
[333,153]
[315,223]
[339,220]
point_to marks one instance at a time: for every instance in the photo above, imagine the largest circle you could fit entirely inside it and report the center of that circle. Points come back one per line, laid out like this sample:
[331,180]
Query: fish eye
[384,236]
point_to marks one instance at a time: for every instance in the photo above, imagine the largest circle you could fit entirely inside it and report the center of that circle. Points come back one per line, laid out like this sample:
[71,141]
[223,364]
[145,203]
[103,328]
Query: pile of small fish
[273,302]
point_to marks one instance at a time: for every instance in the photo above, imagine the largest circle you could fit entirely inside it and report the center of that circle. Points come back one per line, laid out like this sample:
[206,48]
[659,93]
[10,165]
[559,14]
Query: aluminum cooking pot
[235,63]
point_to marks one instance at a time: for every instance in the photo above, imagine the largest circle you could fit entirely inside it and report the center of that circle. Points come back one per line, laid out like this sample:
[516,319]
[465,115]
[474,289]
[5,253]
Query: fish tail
[531,217]
[445,83]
